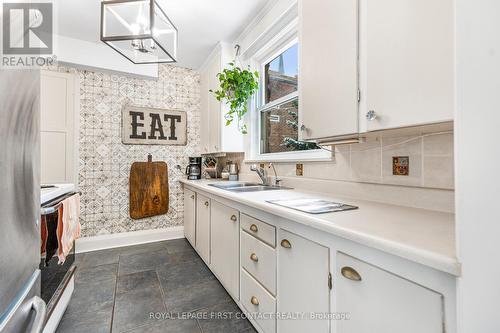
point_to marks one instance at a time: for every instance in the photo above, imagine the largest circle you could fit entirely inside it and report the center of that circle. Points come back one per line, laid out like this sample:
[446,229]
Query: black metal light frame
[141,36]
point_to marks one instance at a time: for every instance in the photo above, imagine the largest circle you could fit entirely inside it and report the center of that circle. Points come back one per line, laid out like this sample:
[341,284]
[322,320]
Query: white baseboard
[88,244]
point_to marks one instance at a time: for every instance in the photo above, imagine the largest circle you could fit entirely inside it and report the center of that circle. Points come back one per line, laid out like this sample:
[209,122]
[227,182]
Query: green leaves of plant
[236,87]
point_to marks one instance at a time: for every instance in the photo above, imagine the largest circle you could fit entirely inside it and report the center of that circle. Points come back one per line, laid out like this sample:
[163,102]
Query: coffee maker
[193,170]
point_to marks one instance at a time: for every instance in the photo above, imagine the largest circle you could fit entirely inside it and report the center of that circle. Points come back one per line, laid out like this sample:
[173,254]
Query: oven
[57,280]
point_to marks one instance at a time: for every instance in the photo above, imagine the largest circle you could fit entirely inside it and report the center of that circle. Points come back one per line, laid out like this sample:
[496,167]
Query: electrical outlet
[299,169]
[401,165]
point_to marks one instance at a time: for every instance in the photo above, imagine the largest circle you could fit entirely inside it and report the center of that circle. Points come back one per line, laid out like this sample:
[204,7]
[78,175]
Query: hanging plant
[236,87]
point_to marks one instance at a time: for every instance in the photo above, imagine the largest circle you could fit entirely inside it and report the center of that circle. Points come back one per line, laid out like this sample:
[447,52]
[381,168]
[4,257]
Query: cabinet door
[214,106]
[225,246]
[328,102]
[203,227]
[204,113]
[384,302]
[303,282]
[190,216]
[59,130]
[409,62]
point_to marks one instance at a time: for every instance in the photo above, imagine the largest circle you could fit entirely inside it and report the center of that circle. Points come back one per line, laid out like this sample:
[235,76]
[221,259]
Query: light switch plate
[401,165]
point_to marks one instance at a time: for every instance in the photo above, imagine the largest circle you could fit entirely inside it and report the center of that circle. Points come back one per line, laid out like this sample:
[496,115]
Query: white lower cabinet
[269,270]
[225,246]
[258,302]
[303,283]
[379,301]
[261,230]
[203,227]
[190,216]
[259,259]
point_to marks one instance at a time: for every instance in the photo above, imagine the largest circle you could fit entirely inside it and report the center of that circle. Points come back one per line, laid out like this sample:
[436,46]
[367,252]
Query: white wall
[477,162]
[99,56]
[263,23]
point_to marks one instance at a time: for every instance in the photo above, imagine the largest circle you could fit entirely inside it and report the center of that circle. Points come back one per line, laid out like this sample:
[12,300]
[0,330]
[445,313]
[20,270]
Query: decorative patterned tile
[104,162]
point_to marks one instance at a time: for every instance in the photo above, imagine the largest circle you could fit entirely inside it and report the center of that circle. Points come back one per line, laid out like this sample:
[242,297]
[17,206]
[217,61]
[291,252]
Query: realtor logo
[27,28]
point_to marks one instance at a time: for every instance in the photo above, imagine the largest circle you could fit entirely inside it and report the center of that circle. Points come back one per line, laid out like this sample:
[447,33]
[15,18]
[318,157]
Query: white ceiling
[201,23]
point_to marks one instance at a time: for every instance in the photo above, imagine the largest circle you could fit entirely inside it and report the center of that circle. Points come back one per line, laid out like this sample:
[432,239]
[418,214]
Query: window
[281,74]
[280,110]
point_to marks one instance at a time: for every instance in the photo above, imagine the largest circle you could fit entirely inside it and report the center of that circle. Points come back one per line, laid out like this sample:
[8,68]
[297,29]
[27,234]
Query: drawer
[256,300]
[259,229]
[259,259]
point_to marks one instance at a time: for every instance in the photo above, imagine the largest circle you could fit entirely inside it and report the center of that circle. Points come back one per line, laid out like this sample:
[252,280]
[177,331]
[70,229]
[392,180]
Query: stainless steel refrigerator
[21,308]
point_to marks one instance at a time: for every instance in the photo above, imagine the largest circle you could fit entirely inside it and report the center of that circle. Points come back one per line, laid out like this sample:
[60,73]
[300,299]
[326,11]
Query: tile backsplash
[104,162]
[430,162]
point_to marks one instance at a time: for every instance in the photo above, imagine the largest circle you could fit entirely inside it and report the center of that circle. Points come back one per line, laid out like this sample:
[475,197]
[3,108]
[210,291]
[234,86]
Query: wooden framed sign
[148,126]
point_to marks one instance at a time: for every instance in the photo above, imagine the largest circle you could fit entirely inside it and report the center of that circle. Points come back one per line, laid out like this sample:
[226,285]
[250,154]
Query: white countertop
[423,236]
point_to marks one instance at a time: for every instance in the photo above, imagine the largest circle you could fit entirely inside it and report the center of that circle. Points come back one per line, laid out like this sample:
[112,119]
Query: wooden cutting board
[148,189]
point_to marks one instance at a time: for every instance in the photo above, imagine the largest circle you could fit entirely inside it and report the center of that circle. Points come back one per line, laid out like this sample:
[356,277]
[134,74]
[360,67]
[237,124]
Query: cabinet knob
[206,203]
[371,115]
[234,218]
[286,243]
[192,196]
[254,257]
[254,300]
[350,273]
[254,228]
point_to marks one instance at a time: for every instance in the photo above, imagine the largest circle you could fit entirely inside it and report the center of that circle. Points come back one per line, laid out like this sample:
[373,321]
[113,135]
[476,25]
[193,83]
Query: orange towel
[68,227]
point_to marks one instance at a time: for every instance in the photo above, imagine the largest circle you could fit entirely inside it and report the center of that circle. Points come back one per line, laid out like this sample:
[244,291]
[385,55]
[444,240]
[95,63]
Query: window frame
[268,53]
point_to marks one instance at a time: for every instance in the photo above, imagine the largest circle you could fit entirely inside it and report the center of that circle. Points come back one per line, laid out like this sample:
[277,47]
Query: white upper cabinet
[215,136]
[407,62]
[405,68]
[59,127]
[328,74]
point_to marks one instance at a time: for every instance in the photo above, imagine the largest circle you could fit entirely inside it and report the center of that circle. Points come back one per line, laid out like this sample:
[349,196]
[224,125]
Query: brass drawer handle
[206,203]
[234,218]
[350,273]
[286,243]
[254,257]
[254,300]
[254,228]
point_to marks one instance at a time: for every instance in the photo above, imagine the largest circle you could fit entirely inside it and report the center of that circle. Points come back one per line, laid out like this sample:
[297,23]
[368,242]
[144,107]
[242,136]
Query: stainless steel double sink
[306,205]
[246,187]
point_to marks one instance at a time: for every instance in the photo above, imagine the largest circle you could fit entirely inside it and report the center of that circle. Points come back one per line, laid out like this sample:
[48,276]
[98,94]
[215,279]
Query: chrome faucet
[261,172]
[277,181]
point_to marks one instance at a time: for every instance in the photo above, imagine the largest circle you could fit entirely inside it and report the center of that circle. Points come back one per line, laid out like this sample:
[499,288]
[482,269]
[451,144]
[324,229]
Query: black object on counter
[193,170]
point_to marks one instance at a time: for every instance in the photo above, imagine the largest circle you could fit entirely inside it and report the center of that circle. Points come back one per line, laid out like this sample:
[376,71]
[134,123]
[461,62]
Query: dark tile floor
[151,288]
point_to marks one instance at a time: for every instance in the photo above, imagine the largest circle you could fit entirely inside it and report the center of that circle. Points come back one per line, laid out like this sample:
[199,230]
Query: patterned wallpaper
[104,162]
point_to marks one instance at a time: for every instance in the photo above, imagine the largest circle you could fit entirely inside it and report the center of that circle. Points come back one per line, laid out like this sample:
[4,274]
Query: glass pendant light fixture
[139,30]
